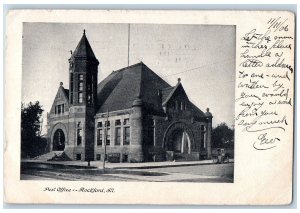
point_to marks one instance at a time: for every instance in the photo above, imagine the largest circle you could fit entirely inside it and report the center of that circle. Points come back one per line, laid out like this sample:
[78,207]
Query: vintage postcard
[149,107]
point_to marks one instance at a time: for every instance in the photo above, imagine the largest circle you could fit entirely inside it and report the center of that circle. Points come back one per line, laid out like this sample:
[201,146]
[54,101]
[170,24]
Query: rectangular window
[62,108]
[118,136]
[59,109]
[125,158]
[99,137]
[107,123]
[89,99]
[71,88]
[99,124]
[80,97]
[79,136]
[55,108]
[80,77]
[152,132]
[118,122]
[71,81]
[80,86]
[78,156]
[98,156]
[126,135]
[202,127]
[126,121]
[108,137]
[202,141]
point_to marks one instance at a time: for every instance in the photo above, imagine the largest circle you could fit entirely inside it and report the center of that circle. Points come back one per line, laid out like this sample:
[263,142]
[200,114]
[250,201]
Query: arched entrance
[179,141]
[179,138]
[59,140]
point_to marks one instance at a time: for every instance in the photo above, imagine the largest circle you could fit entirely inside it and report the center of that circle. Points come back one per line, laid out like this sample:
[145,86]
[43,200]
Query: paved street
[223,170]
[185,173]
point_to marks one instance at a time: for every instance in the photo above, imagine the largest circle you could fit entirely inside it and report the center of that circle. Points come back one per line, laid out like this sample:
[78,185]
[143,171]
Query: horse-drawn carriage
[220,156]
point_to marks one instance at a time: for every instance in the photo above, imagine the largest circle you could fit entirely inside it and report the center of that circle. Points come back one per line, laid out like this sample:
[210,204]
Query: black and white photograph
[128,102]
[149,107]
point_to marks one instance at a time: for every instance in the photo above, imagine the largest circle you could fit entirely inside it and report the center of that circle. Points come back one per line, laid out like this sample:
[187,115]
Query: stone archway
[178,138]
[179,141]
[59,137]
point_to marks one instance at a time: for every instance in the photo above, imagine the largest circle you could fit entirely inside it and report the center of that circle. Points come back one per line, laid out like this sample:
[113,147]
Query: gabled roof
[196,111]
[62,99]
[122,87]
[83,49]
[118,90]
[171,92]
[166,92]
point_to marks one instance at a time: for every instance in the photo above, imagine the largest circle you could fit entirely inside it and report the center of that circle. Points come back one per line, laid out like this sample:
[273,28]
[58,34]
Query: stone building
[139,115]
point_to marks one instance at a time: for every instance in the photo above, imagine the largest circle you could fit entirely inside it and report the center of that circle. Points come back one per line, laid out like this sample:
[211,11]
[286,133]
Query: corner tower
[83,74]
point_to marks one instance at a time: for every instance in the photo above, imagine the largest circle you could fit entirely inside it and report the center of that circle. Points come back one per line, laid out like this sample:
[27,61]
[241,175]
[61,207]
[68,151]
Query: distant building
[148,120]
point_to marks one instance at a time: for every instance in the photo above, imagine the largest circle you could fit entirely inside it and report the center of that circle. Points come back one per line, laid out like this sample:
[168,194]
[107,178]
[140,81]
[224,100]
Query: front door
[59,140]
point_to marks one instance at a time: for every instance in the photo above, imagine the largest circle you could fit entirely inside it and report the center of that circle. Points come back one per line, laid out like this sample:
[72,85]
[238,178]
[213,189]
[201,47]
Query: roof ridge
[133,65]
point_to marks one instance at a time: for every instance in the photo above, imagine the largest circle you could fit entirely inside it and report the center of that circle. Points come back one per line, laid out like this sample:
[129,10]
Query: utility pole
[105,139]
[128,45]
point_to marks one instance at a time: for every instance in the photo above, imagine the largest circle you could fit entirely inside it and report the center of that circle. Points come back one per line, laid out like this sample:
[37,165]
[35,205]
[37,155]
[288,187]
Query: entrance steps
[49,156]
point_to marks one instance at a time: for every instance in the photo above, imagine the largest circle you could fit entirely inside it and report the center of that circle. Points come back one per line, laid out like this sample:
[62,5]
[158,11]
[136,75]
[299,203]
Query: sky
[203,56]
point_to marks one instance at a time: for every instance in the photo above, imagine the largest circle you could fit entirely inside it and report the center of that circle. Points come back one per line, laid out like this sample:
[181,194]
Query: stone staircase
[49,156]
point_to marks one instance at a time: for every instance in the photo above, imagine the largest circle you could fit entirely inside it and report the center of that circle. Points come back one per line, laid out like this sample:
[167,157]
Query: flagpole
[128,45]
[105,139]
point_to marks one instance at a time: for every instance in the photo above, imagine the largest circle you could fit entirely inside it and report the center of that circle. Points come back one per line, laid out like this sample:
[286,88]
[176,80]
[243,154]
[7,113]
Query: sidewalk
[150,165]
[146,165]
